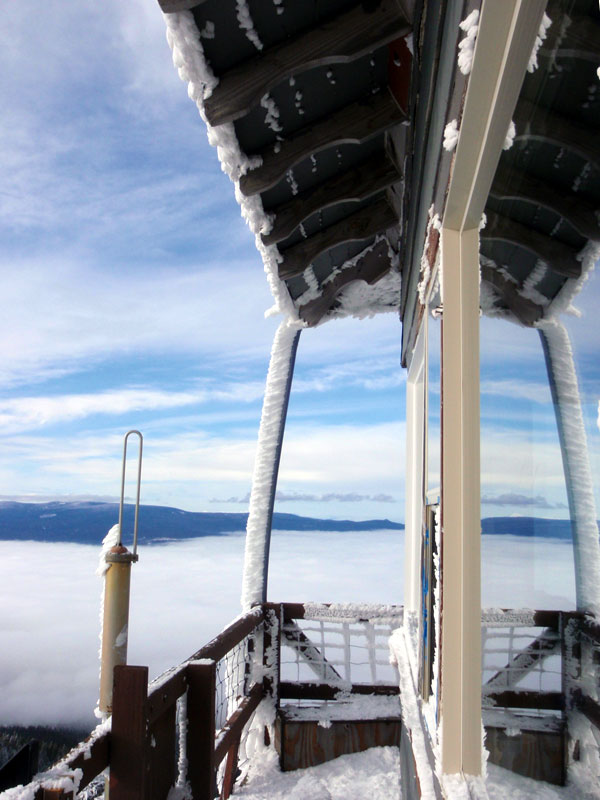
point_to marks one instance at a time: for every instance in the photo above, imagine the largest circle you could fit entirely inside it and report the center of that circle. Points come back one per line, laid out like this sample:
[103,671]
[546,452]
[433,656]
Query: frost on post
[266,466]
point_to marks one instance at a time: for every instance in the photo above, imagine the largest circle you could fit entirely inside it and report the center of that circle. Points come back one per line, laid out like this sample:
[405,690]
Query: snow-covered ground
[374,774]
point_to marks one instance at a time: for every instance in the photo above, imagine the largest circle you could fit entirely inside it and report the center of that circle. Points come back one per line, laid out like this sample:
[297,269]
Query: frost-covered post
[576,463]
[115,616]
[266,465]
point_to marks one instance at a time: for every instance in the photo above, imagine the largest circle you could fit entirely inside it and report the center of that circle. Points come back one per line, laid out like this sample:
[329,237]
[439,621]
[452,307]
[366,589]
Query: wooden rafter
[354,123]
[533,122]
[369,177]
[372,266]
[526,311]
[343,38]
[578,212]
[559,256]
[368,221]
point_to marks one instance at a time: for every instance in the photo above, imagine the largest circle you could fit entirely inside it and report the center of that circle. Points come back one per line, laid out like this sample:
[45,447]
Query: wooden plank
[343,38]
[576,210]
[525,310]
[536,754]
[162,772]
[369,177]
[229,774]
[201,730]
[92,761]
[163,696]
[370,268]
[306,743]
[559,257]
[589,707]
[547,701]
[322,691]
[353,124]
[129,740]
[234,726]
[20,768]
[363,224]
[538,123]
[218,647]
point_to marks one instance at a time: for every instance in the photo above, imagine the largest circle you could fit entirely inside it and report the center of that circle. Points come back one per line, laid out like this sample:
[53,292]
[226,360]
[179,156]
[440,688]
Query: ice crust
[257,533]
[582,506]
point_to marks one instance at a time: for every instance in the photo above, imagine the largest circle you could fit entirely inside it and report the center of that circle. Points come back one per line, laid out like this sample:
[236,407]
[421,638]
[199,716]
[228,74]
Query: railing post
[201,729]
[129,756]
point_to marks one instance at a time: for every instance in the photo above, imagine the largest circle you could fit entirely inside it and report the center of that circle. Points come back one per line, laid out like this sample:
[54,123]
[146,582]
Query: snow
[347,706]
[272,418]
[580,487]
[374,773]
[425,273]
[246,23]
[466,46]
[188,57]
[510,136]
[541,35]
[272,115]
[353,612]
[451,135]
[401,651]
[529,291]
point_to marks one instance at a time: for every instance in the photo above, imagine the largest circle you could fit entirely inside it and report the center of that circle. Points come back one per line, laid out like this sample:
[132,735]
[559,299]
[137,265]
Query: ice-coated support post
[266,465]
[562,378]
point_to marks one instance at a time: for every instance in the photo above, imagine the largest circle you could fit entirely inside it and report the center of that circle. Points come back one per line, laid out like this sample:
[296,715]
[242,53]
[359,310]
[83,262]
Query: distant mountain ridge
[88,523]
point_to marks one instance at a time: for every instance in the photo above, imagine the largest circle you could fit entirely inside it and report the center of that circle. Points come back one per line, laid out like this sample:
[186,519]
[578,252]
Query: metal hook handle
[139,483]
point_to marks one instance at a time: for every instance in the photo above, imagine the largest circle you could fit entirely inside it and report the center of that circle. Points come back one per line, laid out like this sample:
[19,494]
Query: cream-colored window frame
[505,38]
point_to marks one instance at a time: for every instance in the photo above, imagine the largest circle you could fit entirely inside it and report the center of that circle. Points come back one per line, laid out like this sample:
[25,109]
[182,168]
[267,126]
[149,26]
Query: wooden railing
[202,706]
[141,745]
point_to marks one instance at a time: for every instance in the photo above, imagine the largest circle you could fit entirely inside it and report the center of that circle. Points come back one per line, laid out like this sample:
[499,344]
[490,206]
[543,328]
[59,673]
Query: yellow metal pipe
[115,620]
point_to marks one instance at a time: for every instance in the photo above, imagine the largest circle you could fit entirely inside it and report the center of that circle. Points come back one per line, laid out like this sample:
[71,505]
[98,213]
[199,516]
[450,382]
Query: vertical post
[562,378]
[201,729]
[115,621]
[461,526]
[266,465]
[129,756]
[416,426]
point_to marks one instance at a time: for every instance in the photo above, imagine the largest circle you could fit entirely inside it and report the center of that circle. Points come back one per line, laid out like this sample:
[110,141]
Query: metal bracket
[137,501]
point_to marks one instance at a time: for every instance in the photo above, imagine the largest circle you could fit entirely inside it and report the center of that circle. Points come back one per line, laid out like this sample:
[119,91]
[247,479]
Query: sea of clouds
[184,593]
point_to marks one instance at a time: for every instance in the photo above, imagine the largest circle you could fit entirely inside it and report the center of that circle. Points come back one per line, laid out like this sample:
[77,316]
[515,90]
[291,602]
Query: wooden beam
[576,210]
[559,256]
[547,701]
[369,177]
[526,311]
[129,738]
[536,123]
[368,221]
[344,38]
[354,123]
[370,268]
[291,690]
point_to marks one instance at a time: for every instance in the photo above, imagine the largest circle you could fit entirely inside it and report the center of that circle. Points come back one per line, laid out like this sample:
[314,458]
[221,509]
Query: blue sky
[133,297]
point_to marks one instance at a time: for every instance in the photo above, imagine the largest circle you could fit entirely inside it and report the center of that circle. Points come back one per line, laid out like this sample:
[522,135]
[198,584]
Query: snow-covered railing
[328,649]
[201,706]
[524,658]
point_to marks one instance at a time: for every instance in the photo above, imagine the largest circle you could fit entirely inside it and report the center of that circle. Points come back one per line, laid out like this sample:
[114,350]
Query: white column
[266,465]
[461,527]
[576,463]
[415,466]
